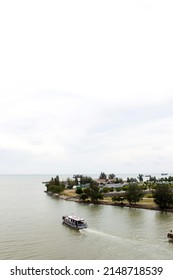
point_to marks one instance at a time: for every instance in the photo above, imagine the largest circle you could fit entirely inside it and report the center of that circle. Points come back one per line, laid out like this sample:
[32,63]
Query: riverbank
[146,203]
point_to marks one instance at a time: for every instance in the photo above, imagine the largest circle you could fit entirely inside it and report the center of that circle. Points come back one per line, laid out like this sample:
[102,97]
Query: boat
[74,222]
[170,235]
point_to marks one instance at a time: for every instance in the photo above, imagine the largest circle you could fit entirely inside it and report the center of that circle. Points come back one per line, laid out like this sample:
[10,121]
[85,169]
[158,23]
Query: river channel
[31,227]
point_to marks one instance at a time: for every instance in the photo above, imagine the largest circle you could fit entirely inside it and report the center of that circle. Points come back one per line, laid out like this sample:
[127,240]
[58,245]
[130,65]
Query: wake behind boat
[74,221]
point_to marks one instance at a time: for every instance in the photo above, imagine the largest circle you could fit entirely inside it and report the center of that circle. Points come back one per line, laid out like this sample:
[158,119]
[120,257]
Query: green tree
[83,196]
[79,190]
[118,180]
[118,198]
[57,180]
[56,188]
[85,180]
[51,185]
[131,180]
[93,192]
[111,176]
[140,177]
[153,179]
[76,176]
[134,193]
[70,183]
[105,190]
[103,176]
[170,179]
[163,195]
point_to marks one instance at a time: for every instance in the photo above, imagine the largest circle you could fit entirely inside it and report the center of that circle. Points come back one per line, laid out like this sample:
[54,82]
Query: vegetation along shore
[153,193]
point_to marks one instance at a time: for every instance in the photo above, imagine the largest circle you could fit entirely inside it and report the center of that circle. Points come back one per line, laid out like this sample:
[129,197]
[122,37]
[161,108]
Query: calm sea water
[31,227]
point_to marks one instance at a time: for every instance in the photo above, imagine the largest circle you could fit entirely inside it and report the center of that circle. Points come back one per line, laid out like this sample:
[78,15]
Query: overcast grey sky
[86,86]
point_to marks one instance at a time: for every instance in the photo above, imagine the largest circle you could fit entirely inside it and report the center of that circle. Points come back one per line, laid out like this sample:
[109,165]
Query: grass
[146,201]
[70,193]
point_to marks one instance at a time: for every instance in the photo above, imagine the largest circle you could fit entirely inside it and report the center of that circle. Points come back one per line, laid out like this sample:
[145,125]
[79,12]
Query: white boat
[74,222]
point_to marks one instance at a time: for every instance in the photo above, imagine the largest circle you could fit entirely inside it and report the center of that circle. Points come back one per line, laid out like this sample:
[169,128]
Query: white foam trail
[104,234]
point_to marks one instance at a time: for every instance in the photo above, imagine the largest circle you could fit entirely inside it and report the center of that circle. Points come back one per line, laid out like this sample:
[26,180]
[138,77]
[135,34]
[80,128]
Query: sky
[86,86]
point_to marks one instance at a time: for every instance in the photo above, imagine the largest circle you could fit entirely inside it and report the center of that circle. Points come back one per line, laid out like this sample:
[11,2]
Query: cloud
[62,129]
[86,86]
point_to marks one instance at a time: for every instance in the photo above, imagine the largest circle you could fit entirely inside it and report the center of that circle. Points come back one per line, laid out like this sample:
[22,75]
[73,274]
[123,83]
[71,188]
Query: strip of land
[145,203]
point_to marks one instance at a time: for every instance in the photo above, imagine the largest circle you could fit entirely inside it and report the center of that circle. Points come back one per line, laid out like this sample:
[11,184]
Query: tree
[70,183]
[85,180]
[153,179]
[105,190]
[118,180]
[83,196]
[57,180]
[140,177]
[163,195]
[79,190]
[134,193]
[103,176]
[131,180]
[76,177]
[55,186]
[58,189]
[93,192]
[111,176]
[118,198]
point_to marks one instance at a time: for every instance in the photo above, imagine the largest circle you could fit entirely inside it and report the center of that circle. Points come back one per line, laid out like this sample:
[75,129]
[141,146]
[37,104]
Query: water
[31,227]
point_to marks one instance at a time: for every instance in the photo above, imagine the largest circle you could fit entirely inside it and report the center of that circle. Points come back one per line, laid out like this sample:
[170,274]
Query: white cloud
[86,85]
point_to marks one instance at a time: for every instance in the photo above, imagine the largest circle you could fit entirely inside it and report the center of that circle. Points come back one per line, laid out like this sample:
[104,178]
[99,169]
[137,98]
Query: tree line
[133,191]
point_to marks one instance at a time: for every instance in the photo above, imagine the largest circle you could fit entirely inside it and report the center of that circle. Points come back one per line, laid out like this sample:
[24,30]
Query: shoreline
[102,202]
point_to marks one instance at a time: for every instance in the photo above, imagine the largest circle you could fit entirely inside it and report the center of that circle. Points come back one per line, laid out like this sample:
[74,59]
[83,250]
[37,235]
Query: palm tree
[140,177]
